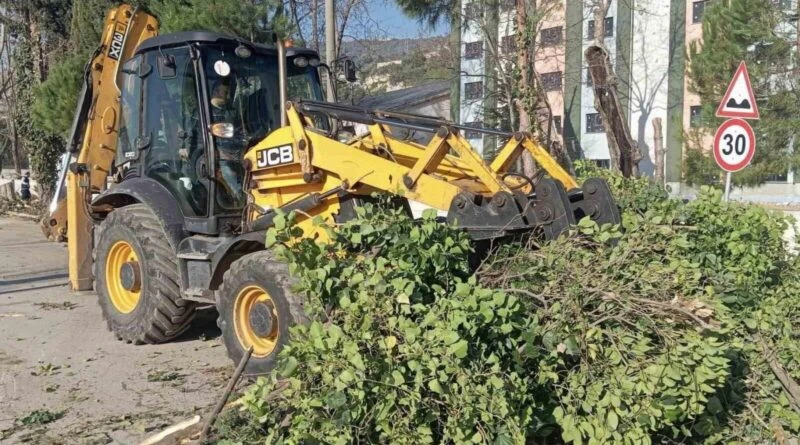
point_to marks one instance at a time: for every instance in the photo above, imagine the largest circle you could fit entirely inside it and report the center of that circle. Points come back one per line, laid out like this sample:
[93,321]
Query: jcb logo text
[274,156]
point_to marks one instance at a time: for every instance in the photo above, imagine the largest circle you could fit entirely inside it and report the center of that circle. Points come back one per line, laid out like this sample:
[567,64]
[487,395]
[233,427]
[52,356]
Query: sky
[397,24]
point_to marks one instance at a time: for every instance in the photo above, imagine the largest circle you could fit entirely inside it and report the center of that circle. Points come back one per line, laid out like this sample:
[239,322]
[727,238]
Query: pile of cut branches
[678,326]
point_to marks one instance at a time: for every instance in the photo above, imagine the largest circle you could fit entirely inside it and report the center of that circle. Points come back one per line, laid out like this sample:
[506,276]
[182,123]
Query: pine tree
[242,18]
[38,33]
[753,31]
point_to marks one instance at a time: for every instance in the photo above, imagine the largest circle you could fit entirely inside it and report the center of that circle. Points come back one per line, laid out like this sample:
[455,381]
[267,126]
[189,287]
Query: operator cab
[192,104]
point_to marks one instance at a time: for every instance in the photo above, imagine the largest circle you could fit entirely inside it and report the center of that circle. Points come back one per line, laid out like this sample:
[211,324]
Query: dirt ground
[58,359]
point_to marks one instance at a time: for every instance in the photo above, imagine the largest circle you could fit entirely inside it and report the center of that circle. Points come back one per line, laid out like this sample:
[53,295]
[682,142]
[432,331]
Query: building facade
[647,41]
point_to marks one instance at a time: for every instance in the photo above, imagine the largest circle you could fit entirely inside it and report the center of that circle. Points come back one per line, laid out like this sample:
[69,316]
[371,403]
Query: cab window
[175,153]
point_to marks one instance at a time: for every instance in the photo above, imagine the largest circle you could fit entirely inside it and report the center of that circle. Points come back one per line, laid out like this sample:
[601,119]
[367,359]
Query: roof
[181,38]
[407,97]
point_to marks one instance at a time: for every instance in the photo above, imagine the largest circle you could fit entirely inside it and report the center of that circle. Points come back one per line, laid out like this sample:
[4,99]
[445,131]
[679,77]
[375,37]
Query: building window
[509,44]
[695,112]
[608,28]
[552,36]
[602,163]
[781,178]
[469,134]
[473,50]
[593,123]
[551,81]
[698,8]
[472,11]
[557,124]
[473,90]
[784,5]
[588,78]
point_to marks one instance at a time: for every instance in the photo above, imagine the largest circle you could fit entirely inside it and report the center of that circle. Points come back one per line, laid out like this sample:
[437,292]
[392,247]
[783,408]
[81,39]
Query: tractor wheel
[256,308]
[136,278]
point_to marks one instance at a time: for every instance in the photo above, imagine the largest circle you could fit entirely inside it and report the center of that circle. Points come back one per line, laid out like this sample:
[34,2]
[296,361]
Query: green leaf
[612,420]
[459,348]
[279,222]
[434,386]
[288,366]
[397,377]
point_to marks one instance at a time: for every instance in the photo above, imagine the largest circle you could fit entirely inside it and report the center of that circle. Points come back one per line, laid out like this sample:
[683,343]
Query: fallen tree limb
[789,385]
[226,394]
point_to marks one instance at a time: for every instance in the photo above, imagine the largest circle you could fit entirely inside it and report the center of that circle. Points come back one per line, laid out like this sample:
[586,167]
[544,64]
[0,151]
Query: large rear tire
[256,308]
[136,278]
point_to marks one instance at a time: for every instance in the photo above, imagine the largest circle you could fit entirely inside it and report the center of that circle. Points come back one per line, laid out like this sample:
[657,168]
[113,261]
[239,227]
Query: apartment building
[647,41]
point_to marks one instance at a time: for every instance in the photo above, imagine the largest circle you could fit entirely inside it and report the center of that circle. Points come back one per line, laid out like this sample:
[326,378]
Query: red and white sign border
[717,146]
[753,113]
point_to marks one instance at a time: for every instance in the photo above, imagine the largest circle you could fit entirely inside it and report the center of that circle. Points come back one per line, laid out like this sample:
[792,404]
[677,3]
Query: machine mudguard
[154,195]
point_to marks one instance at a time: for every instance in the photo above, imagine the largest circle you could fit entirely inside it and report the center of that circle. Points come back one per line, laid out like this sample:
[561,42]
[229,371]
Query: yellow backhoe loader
[185,146]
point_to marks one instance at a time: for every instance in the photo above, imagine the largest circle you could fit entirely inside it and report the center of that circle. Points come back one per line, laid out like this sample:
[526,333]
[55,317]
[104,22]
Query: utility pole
[330,33]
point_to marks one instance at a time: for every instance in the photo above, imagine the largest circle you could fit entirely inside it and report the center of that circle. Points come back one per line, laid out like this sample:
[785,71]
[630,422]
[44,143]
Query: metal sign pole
[727,186]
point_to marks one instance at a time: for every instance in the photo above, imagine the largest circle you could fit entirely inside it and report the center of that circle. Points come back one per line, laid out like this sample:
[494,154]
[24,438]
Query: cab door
[175,154]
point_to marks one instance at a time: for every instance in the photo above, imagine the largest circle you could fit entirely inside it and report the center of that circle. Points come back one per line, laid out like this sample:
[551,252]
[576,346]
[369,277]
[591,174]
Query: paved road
[56,355]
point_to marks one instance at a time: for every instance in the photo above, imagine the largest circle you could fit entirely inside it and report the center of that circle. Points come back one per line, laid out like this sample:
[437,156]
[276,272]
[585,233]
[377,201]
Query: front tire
[256,308]
[136,278]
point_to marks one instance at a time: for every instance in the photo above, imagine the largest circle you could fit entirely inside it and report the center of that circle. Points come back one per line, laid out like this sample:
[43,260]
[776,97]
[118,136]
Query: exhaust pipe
[282,75]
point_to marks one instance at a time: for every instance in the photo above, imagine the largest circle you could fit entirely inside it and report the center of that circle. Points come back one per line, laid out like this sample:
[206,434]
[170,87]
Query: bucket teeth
[550,210]
[554,211]
[596,202]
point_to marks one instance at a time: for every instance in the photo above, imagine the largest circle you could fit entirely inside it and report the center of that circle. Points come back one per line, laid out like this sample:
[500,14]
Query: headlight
[314,61]
[243,51]
[300,62]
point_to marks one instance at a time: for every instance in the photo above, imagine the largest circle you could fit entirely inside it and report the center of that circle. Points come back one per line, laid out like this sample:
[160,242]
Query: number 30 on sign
[734,145]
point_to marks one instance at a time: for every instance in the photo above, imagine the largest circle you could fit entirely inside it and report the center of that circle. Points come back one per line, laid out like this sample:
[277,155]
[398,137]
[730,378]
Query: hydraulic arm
[91,150]
[447,174]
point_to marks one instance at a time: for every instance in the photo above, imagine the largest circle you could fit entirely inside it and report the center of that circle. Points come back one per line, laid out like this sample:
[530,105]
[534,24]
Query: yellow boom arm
[446,174]
[87,164]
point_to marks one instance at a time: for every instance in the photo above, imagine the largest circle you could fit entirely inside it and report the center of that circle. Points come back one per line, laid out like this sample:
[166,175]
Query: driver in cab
[229,149]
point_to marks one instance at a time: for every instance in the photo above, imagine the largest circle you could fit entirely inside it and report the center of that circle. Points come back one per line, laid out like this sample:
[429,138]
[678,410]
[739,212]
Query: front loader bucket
[549,210]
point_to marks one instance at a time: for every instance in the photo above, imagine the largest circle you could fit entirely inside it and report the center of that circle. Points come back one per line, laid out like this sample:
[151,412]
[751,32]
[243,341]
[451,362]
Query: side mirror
[349,70]
[167,68]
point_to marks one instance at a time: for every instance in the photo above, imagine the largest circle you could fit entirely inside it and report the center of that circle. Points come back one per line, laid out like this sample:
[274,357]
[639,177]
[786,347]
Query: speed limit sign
[734,145]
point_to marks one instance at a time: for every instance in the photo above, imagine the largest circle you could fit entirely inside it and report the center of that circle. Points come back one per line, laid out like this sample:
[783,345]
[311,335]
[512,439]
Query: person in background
[25,188]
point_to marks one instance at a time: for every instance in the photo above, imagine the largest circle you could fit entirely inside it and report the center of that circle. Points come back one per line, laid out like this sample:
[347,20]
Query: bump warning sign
[739,100]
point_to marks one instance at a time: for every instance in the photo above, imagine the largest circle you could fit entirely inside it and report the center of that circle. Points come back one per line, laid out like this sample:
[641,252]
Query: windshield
[245,100]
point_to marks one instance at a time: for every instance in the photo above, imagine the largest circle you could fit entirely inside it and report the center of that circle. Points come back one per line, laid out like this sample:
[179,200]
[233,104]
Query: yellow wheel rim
[255,320]
[124,294]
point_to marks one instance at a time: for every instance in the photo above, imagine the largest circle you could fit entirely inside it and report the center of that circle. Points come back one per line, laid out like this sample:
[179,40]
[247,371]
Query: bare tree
[624,156]
[515,94]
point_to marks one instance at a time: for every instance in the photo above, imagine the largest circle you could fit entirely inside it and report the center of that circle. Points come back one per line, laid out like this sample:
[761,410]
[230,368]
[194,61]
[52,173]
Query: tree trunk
[658,148]
[7,191]
[15,151]
[525,65]
[547,131]
[623,153]
[35,31]
[528,164]
[314,24]
[599,16]
[600,11]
